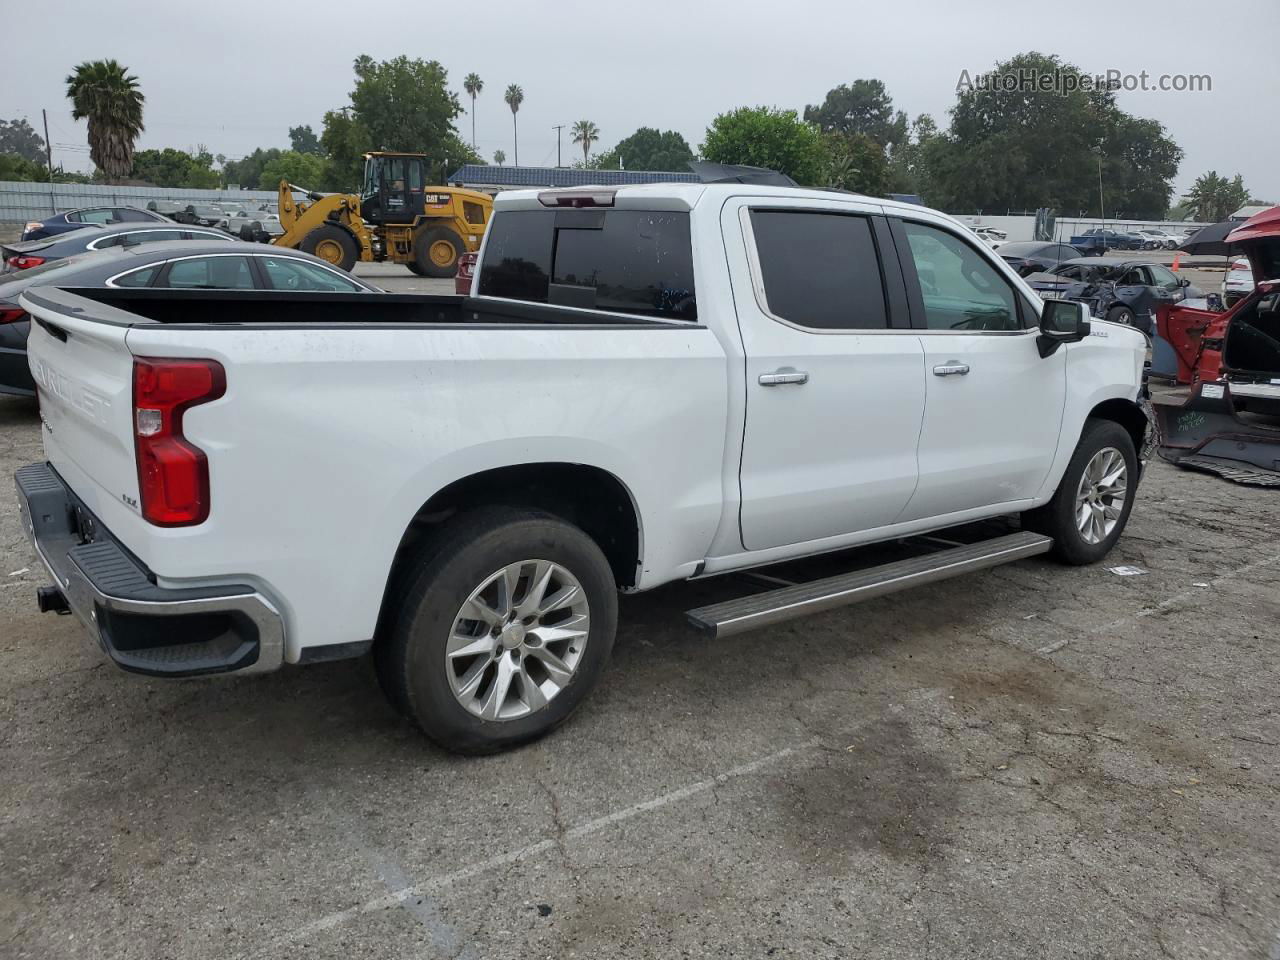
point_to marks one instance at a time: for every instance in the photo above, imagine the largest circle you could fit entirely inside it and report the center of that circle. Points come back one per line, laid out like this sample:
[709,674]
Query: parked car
[261,230]
[200,214]
[1238,281]
[462,484]
[1097,241]
[78,219]
[215,263]
[1035,256]
[466,272]
[1116,289]
[33,253]
[1156,239]
[991,236]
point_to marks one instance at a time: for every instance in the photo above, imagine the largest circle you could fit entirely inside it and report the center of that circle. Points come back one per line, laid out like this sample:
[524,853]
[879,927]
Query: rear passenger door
[835,382]
[994,406]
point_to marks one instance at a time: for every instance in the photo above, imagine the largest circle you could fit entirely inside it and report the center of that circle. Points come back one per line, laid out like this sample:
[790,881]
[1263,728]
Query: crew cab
[648,384]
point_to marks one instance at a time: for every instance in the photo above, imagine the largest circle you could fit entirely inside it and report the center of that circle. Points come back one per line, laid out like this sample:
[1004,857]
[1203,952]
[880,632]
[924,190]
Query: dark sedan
[1115,288]
[34,253]
[221,265]
[87,216]
[1035,256]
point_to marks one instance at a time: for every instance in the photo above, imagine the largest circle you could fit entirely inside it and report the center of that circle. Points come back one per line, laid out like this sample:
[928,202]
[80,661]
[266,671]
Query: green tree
[473,85]
[586,133]
[647,149]
[175,168]
[909,164]
[767,137]
[247,171]
[863,106]
[404,104]
[107,95]
[18,137]
[1213,198]
[514,97]
[14,166]
[499,157]
[855,162]
[304,140]
[1041,148]
[345,140]
[301,169]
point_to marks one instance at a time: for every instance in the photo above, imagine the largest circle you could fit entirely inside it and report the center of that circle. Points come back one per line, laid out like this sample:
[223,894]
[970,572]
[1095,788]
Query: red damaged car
[1215,377]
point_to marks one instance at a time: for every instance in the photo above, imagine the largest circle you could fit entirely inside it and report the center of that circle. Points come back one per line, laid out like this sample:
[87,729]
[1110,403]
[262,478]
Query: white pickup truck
[649,384]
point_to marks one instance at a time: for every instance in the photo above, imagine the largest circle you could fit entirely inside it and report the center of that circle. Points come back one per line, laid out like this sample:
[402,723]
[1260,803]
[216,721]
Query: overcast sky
[236,74]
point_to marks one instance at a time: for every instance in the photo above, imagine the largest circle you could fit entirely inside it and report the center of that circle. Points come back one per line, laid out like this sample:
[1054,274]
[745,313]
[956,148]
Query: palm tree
[107,95]
[586,133]
[473,85]
[499,157]
[514,97]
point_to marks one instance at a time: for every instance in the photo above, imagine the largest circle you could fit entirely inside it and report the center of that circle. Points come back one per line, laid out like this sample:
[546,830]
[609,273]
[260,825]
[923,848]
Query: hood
[1259,237]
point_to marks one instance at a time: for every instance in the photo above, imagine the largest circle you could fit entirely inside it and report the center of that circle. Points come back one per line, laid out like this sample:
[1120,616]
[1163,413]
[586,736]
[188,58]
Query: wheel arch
[588,496]
[1125,412]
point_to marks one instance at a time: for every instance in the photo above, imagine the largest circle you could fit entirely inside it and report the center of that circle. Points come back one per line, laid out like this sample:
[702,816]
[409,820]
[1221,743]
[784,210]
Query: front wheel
[333,245]
[1122,315]
[1091,506]
[498,629]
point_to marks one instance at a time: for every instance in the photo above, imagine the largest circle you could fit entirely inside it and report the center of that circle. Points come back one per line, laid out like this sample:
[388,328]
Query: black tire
[1121,315]
[1057,518]
[427,596]
[415,269]
[330,239]
[422,244]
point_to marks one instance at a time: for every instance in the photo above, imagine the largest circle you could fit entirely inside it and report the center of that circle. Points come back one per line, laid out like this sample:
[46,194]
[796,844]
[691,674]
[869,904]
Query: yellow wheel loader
[397,218]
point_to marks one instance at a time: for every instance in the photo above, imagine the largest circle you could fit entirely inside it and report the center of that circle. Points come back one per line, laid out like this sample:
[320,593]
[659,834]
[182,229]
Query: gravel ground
[1031,762]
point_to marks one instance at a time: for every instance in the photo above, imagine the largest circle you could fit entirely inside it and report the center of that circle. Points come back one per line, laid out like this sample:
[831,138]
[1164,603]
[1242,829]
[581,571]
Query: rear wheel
[501,626]
[415,269]
[332,245]
[1091,506]
[436,252]
[1121,315]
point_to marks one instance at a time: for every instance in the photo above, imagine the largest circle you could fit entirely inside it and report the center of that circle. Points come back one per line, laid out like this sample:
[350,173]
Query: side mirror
[1062,321]
[1184,282]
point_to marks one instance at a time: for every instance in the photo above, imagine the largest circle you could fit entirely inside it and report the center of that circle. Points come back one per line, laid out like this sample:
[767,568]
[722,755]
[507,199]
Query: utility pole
[557,127]
[48,152]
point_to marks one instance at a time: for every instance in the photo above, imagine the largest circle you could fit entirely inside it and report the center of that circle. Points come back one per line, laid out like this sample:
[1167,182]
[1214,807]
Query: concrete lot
[1032,762]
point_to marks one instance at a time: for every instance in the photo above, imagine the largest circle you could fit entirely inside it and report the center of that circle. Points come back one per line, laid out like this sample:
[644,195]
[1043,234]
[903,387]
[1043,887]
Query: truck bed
[251,308]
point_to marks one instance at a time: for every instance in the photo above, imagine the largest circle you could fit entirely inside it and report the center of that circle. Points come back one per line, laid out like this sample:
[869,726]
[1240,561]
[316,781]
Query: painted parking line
[411,894]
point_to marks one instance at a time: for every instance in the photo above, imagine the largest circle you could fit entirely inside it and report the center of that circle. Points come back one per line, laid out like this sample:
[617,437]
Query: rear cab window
[637,262]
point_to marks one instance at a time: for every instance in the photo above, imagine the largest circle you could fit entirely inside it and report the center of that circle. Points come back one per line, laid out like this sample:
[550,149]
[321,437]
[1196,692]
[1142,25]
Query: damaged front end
[1215,377]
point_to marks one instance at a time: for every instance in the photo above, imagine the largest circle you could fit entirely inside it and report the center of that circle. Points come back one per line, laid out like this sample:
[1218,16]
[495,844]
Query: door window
[211,273]
[819,269]
[138,278]
[959,288]
[1162,278]
[130,215]
[473,212]
[104,216]
[286,273]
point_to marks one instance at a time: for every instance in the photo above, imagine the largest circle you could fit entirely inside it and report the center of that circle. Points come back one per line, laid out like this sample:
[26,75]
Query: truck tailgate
[84,372]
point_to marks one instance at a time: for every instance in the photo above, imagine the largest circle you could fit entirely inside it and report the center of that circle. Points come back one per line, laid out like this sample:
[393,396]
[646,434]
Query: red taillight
[467,265]
[22,262]
[1241,265]
[173,474]
[10,313]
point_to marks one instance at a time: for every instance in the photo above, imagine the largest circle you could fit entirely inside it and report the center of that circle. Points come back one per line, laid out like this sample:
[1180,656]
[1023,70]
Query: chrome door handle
[951,369]
[785,375]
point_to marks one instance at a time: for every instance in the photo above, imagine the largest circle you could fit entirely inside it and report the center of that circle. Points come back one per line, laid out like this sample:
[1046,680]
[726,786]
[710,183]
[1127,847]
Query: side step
[774,606]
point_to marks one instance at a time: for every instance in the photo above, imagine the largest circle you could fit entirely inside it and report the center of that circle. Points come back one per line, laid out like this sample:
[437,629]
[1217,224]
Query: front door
[994,407]
[834,375]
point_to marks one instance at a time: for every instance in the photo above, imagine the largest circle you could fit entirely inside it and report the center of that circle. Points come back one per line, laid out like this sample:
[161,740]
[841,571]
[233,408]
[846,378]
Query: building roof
[1249,210]
[496,176]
